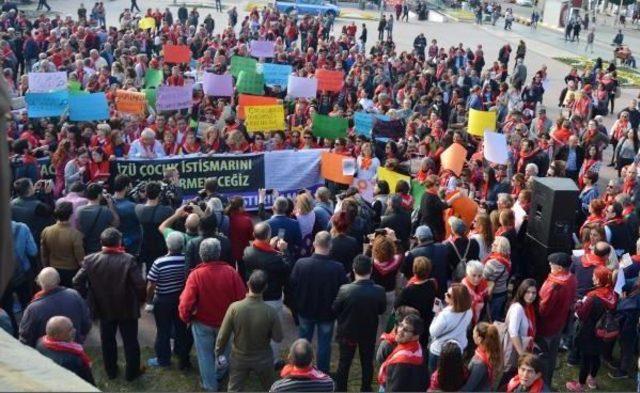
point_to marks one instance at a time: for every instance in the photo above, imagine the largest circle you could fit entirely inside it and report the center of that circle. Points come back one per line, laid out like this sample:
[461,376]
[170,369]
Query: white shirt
[138,150]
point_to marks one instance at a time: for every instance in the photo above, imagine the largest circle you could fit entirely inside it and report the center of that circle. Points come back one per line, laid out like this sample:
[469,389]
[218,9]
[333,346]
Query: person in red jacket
[240,229]
[209,291]
[556,298]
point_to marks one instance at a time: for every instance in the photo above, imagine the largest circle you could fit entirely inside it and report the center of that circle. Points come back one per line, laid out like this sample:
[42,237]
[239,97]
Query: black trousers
[66,276]
[23,292]
[347,352]
[129,334]
[165,311]
[589,366]
[134,4]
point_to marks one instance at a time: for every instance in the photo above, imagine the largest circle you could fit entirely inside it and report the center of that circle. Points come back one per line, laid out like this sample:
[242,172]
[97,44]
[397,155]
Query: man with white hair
[164,284]
[531,170]
[50,301]
[147,146]
[209,291]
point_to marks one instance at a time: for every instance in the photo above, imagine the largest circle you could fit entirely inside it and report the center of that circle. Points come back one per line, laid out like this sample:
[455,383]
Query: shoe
[611,165]
[592,384]
[618,374]
[142,370]
[574,386]
[612,364]
[563,348]
[154,362]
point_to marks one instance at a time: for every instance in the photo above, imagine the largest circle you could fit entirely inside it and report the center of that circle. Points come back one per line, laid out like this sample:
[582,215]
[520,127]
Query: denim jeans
[325,335]
[277,306]
[204,338]
[165,312]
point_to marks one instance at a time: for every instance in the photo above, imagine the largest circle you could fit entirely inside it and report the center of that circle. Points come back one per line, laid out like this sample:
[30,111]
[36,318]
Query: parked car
[308,7]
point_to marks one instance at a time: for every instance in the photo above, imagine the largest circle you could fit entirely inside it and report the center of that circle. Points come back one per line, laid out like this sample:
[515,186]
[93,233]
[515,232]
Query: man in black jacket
[32,208]
[315,282]
[357,308]
[271,256]
[573,154]
[432,207]
[398,219]
[437,254]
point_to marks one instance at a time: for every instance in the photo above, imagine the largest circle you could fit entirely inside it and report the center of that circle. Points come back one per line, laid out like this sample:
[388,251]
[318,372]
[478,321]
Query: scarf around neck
[515,385]
[310,373]
[405,353]
[68,347]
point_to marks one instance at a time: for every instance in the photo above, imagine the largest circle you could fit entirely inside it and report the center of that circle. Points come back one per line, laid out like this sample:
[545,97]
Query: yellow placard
[147,23]
[264,118]
[480,121]
[392,178]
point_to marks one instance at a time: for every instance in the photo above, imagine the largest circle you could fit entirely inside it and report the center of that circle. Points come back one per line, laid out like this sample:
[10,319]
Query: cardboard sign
[481,121]
[131,102]
[42,82]
[239,63]
[262,48]
[153,78]
[331,168]
[329,127]
[300,87]
[330,80]
[245,100]
[454,158]
[52,104]
[147,23]
[88,107]
[495,147]
[174,97]
[275,74]
[391,177]
[264,118]
[217,85]
[250,83]
[176,54]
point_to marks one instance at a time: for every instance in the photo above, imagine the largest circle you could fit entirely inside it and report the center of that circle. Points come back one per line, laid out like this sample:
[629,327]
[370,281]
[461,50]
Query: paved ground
[543,45]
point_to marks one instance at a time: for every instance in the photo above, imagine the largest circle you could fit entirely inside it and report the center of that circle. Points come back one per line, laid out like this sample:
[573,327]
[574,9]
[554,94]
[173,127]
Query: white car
[526,3]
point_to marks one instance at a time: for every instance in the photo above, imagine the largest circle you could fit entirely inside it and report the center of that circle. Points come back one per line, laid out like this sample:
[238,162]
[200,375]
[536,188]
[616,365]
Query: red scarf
[500,258]
[502,230]
[113,250]
[559,278]
[628,186]
[530,312]
[68,347]
[483,356]
[365,163]
[591,259]
[536,386]
[525,156]
[264,246]
[615,221]
[389,337]
[386,267]
[478,296]
[405,353]
[605,294]
[310,373]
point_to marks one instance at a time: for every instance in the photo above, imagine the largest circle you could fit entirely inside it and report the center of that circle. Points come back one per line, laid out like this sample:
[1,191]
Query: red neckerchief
[264,246]
[478,295]
[405,353]
[560,278]
[561,135]
[540,124]
[503,229]
[421,175]
[389,337]
[365,163]
[27,159]
[386,267]
[310,373]
[39,295]
[500,258]
[628,186]
[525,156]
[483,356]
[536,386]
[627,210]
[113,250]
[622,126]
[69,347]
[530,312]
[485,190]
[591,259]
[606,294]
[615,221]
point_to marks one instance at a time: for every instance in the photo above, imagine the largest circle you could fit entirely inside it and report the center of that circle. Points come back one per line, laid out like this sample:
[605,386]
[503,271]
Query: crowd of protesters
[460,302]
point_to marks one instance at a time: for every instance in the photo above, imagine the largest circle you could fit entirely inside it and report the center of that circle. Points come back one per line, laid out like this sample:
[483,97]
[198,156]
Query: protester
[529,377]
[451,374]
[521,325]
[300,375]
[487,359]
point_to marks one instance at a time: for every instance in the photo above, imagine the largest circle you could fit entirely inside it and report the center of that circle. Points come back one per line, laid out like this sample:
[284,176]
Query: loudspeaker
[553,211]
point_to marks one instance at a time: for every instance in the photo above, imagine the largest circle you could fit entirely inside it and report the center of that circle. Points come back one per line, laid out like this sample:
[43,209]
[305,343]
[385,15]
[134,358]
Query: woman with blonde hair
[303,210]
[497,269]
[486,364]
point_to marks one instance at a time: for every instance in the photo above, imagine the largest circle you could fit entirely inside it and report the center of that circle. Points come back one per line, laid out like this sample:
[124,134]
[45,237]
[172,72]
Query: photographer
[172,193]
[188,216]
[126,209]
[151,215]
[33,205]
[210,191]
[95,217]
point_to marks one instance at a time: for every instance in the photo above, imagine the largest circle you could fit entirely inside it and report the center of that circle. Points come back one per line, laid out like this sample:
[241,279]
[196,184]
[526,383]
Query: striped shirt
[168,274]
[303,385]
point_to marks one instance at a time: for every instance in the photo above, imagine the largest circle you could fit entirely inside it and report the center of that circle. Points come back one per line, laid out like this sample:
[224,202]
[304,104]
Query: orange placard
[249,100]
[330,80]
[464,208]
[131,102]
[453,158]
[331,168]
[176,54]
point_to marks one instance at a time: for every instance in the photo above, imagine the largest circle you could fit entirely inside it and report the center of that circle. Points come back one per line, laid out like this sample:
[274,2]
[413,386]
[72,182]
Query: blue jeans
[204,338]
[325,335]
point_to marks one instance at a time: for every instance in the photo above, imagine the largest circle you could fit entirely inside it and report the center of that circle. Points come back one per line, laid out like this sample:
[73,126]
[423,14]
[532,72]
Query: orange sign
[331,168]
[453,158]
[131,102]
[176,54]
[249,100]
[330,80]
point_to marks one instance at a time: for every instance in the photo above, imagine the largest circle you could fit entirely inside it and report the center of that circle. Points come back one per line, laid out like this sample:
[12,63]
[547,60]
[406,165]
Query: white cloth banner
[306,175]
[495,147]
[42,82]
[300,87]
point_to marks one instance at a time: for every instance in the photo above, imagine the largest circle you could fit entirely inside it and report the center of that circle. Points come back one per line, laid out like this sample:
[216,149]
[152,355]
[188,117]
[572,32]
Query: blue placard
[364,122]
[52,104]
[88,107]
[276,74]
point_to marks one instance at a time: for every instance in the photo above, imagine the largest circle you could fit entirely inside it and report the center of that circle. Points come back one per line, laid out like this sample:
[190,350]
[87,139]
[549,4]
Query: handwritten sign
[41,82]
[329,127]
[245,100]
[217,85]
[176,54]
[330,80]
[300,87]
[147,23]
[170,98]
[264,118]
[153,78]
[250,83]
[131,102]
[364,122]
[481,121]
[239,63]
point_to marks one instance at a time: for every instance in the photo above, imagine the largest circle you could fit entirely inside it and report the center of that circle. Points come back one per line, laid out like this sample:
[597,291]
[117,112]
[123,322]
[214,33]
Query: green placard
[417,190]
[250,83]
[74,86]
[151,97]
[239,63]
[153,78]
[329,127]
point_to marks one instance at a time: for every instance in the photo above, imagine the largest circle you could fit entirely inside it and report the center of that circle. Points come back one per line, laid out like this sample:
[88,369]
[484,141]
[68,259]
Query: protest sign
[42,82]
[349,167]
[306,175]
[88,107]
[131,102]
[481,121]
[417,191]
[245,100]
[329,80]
[147,23]
[329,127]
[170,98]
[239,63]
[495,147]
[18,103]
[264,118]
[365,188]
[332,170]
[388,129]
[463,207]
[176,54]
[275,74]
[391,177]
[363,122]
[150,95]
[300,87]
[74,86]
[453,158]
[262,48]
[217,85]
[251,83]
[153,78]
[50,104]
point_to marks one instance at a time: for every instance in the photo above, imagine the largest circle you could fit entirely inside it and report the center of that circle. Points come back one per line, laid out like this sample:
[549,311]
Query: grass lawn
[173,380]
[628,77]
